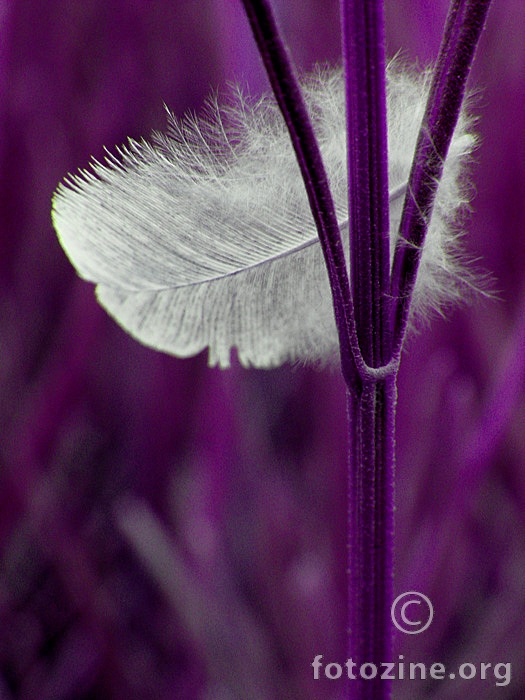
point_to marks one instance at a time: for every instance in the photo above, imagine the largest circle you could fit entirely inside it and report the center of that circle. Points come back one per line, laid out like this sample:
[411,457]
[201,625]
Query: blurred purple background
[170,531]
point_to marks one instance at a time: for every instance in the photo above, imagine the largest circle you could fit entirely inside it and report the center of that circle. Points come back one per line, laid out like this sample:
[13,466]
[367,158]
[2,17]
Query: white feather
[204,238]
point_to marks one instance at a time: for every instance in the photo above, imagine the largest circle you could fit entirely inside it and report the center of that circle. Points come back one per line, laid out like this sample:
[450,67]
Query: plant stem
[290,100]
[365,76]
[364,330]
[370,531]
[371,409]
[366,319]
[465,22]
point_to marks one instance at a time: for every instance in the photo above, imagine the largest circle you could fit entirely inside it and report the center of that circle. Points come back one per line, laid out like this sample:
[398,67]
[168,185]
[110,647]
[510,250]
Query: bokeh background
[175,532]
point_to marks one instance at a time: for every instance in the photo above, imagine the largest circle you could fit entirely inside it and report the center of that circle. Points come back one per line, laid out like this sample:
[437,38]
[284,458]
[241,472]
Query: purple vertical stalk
[291,103]
[371,408]
[364,60]
[465,22]
[365,313]
[364,333]
[370,531]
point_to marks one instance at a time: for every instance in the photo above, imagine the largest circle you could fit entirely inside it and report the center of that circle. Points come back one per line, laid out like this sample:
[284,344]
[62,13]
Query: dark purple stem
[465,23]
[371,394]
[364,59]
[371,531]
[371,409]
[290,100]
[368,362]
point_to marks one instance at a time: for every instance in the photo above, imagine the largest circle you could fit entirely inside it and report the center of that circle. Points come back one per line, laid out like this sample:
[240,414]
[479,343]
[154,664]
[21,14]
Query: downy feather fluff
[204,237]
